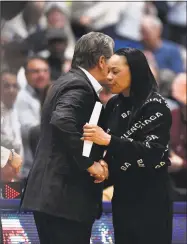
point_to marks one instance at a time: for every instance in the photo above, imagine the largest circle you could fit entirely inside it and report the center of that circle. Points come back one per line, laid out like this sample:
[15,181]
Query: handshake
[99,170]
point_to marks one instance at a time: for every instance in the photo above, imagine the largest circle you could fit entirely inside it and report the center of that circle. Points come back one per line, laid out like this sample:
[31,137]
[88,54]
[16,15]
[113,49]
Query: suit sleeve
[147,152]
[66,116]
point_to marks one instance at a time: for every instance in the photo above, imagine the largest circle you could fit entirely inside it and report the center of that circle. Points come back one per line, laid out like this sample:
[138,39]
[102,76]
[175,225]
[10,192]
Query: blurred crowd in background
[37,47]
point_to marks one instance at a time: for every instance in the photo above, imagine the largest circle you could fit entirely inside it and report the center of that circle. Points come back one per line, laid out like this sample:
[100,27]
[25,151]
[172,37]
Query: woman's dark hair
[143,83]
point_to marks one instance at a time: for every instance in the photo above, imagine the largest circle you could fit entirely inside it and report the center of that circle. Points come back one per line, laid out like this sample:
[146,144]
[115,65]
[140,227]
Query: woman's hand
[96,134]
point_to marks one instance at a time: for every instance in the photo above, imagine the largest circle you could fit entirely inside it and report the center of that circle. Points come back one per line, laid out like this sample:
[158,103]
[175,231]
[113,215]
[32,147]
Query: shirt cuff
[5,153]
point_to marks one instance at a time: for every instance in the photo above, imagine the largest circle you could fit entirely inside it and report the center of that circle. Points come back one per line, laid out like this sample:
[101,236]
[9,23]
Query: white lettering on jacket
[153,100]
[141,124]
[125,166]
[161,164]
[124,115]
[160,100]
[140,163]
[150,138]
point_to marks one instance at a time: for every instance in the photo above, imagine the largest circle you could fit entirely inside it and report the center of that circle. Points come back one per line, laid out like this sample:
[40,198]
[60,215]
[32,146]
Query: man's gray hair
[90,47]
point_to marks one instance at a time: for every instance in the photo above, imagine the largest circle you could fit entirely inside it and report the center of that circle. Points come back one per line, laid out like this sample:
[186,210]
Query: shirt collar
[97,87]
[32,91]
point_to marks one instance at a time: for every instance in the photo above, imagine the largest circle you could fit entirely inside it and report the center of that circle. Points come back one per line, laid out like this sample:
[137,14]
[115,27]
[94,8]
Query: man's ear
[102,62]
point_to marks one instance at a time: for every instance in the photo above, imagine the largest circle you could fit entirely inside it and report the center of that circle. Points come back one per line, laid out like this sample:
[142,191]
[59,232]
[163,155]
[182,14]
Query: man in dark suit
[60,190]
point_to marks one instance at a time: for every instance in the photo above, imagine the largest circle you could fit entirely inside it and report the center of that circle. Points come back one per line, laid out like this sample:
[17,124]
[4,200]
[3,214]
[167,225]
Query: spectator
[57,44]
[184,56]
[128,27]
[25,23]
[152,64]
[179,91]
[167,54]
[166,78]
[176,19]
[57,18]
[96,16]
[15,55]
[10,125]
[162,11]
[79,25]
[16,30]
[28,102]
[178,142]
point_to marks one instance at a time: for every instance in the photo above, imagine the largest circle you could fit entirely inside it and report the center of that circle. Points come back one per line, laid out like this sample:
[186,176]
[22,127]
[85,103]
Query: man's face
[149,34]
[38,74]
[104,68]
[56,19]
[104,72]
[57,48]
[9,90]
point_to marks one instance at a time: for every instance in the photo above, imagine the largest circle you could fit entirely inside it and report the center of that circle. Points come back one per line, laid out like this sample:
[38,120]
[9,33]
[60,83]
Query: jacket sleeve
[66,116]
[148,151]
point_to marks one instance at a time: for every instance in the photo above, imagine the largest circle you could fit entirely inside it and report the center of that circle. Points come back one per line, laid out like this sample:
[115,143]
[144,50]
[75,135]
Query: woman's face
[119,76]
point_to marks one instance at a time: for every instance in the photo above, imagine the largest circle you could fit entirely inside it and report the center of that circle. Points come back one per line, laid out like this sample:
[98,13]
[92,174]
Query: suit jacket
[58,183]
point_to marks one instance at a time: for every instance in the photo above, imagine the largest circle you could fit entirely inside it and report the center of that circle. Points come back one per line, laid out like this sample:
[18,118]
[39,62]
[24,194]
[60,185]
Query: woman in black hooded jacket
[136,137]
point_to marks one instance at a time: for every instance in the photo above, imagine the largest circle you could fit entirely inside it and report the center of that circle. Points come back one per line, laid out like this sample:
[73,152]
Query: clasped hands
[94,133]
[99,170]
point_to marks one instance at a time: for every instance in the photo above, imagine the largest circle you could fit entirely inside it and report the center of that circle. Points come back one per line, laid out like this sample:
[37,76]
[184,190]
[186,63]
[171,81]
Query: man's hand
[7,173]
[15,161]
[105,167]
[99,171]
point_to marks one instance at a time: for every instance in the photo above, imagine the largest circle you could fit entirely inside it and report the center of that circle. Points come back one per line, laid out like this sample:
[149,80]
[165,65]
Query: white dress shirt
[11,129]
[97,87]
[29,113]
